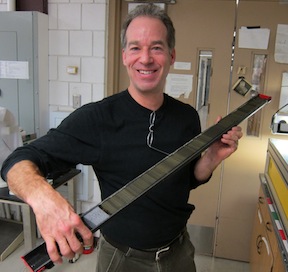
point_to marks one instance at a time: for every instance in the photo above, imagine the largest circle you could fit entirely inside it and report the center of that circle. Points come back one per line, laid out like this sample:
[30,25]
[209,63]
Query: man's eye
[157,48]
[134,48]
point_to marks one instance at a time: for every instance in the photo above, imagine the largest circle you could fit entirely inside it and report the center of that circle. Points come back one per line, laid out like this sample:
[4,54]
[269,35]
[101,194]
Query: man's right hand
[56,219]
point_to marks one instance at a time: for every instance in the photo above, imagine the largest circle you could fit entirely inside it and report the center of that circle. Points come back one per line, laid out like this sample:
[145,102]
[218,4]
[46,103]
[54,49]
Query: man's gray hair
[153,11]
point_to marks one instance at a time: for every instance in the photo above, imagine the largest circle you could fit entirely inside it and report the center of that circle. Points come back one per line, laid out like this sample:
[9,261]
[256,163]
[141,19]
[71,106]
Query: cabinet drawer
[261,256]
[267,221]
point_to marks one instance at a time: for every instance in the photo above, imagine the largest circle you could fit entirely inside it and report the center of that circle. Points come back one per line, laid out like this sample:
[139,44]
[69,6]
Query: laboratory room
[116,112]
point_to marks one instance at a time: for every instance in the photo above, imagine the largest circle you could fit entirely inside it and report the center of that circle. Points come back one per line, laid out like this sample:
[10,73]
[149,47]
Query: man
[121,137]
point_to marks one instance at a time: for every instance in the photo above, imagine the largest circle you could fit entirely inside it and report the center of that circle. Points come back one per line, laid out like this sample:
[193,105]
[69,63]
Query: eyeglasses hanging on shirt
[151,133]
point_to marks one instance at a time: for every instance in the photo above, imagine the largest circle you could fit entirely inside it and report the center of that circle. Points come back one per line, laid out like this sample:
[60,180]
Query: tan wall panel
[205,26]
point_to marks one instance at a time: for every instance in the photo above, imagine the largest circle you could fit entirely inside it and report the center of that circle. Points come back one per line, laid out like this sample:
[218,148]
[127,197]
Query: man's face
[146,56]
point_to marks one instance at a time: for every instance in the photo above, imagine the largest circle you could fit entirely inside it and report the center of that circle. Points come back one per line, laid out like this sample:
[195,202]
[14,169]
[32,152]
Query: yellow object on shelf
[279,186]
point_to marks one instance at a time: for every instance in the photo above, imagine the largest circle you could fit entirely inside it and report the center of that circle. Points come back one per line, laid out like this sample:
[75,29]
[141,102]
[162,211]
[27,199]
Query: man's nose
[146,57]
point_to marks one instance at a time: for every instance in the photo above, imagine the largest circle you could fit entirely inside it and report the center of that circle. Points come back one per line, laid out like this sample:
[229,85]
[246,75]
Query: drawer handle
[261,200]
[268,227]
[259,242]
[266,244]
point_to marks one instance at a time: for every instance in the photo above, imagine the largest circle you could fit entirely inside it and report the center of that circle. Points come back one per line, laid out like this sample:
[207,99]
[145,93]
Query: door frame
[113,44]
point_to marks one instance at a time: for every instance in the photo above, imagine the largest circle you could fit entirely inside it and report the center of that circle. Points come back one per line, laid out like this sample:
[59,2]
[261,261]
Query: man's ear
[173,56]
[124,57]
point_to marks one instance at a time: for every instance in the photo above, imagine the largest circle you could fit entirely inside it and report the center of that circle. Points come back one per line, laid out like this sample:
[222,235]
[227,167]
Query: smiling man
[147,57]
[121,137]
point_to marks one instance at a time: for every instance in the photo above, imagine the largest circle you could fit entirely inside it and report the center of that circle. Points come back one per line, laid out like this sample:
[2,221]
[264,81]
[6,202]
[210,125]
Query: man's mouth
[145,72]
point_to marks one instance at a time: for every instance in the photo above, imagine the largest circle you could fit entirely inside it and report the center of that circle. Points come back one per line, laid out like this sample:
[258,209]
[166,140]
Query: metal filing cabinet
[24,69]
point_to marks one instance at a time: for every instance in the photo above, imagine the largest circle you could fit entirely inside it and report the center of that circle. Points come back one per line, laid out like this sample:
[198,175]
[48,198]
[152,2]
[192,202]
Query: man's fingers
[87,237]
[68,240]
[218,119]
[53,251]
[67,250]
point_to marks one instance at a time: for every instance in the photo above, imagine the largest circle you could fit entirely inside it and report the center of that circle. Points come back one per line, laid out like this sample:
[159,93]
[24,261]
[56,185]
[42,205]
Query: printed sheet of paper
[182,65]
[14,69]
[281,44]
[253,38]
[284,91]
[179,84]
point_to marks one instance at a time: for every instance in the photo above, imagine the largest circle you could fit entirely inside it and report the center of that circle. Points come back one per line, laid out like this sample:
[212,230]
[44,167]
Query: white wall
[76,38]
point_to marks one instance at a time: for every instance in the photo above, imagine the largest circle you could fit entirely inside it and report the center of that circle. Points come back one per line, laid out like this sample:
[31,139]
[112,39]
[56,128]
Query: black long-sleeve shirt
[111,135]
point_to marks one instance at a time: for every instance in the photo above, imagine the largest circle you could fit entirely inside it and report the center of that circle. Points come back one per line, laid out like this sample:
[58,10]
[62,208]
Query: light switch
[241,70]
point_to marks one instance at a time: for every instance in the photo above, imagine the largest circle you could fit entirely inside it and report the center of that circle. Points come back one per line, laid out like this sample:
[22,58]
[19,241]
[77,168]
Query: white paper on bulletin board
[182,65]
[283,97]
[14,69]
[179,84]
[281,44]
[285,79]
[284,91]
[253,38]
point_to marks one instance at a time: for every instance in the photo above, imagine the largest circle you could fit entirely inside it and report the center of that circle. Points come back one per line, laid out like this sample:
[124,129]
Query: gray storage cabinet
[24,69]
